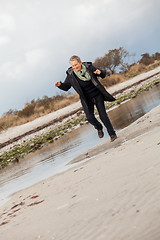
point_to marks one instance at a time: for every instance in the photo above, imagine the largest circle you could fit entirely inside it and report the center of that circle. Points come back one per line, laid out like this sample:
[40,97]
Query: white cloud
[7,22]
[37,38]
[83,14]
[12,72]
[36,57]
[4,40]
[33,61]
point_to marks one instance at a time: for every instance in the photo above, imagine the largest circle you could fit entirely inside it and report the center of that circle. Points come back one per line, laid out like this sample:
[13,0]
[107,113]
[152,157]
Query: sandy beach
[114,195]
[16,135]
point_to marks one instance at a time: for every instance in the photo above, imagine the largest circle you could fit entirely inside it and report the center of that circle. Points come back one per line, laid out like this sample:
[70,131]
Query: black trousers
[99,102]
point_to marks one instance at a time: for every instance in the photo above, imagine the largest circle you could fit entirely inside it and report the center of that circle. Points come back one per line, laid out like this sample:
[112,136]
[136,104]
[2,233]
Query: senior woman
[83,78]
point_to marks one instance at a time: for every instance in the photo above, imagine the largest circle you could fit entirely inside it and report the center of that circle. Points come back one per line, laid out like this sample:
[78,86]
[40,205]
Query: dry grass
[35,110]
[113,80]
[133,71]
[65,102]
[47,105]
[153,65]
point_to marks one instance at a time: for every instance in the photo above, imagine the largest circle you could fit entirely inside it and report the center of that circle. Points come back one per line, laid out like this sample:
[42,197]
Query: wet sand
[18,134]
[114,195]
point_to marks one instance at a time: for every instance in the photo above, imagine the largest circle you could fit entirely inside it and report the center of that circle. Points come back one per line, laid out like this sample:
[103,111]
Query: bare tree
[113,59]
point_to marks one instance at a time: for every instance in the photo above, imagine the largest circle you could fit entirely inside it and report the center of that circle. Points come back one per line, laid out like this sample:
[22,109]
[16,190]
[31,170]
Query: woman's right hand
[57,84]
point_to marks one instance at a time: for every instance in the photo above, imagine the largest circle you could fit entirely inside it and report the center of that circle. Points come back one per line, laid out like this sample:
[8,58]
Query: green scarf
[83,74]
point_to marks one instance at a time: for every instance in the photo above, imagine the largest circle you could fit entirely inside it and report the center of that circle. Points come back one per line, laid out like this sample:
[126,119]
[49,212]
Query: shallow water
[54,158]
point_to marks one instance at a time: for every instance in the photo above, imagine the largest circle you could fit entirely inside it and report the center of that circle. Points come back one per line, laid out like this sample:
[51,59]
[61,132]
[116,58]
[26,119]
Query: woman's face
[76,65]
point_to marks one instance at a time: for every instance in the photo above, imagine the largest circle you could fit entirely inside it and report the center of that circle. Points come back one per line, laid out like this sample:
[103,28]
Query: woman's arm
[65,86]
[101,73]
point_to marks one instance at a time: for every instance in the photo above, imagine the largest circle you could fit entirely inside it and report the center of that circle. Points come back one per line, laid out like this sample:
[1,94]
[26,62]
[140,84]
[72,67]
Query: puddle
[54,158]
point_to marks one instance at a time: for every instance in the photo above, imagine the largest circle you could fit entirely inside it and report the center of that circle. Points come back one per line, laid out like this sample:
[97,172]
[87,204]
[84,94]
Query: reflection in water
[131,110]
[46,163]
[53,159]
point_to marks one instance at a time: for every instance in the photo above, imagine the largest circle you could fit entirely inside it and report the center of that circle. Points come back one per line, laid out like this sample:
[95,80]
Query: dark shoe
[113,137]
[100,133]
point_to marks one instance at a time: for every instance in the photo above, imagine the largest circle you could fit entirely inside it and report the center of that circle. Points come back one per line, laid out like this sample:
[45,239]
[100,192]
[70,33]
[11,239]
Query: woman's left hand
[98,72]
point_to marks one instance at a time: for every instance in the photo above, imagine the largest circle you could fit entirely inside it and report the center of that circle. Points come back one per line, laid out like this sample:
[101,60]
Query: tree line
[115,60]
[119,59]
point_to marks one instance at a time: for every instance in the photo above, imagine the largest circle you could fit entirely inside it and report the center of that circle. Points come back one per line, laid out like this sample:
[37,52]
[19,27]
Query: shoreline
[25,146]
[114,194]
[30,144]
[21,146]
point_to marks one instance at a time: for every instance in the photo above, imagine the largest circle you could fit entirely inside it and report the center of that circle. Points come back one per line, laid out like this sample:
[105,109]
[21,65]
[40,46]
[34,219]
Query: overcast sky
[37,37]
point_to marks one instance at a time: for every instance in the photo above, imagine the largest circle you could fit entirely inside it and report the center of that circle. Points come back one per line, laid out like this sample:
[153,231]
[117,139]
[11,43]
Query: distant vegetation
[35,109]
[122,65]
[118,62]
